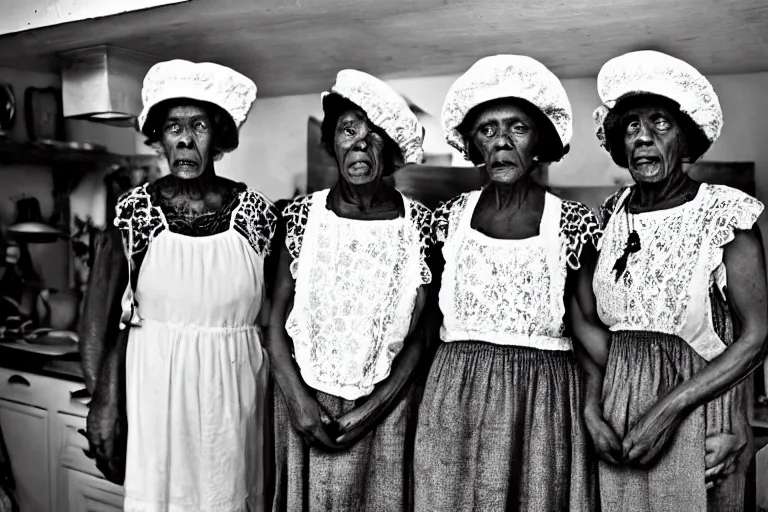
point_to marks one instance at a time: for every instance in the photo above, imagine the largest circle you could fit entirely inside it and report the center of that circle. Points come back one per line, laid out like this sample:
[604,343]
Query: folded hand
[722,456]
[649,436]
[606,442]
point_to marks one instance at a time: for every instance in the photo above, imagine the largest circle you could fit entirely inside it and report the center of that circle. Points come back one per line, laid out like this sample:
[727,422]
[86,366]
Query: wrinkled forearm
[734,365]
[101,308]
[748,298]
[111,376]
[594,376]
[90,356]
[284,368]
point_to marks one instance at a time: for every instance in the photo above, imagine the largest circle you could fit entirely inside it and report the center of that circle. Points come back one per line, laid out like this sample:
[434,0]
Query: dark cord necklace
[632,246]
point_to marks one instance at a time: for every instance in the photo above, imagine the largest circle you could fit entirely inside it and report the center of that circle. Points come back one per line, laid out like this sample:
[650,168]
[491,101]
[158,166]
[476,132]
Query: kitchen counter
[65,367]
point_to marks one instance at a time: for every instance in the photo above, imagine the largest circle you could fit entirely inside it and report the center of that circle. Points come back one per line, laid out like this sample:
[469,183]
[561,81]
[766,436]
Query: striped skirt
[500,429]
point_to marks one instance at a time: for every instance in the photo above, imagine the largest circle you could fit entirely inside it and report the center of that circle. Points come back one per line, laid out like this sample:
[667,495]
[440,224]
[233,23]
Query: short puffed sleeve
[256,219]
[446,215]
[421,217]
[296,214]
[728,210]
[138,220]
[579,227]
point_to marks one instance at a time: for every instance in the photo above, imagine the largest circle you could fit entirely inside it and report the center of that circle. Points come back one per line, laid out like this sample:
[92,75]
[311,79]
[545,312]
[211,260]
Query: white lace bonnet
[203,81]
[652,72]
[385,108]
[506,76]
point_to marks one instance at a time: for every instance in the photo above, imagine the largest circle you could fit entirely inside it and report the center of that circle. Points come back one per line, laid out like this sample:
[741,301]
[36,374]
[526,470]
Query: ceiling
[297,46]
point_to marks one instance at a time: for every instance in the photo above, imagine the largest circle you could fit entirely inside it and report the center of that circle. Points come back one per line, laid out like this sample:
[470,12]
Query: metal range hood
[103,84]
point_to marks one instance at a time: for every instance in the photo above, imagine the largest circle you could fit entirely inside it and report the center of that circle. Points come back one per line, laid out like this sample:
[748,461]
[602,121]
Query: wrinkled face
[653,142]
[187,140]
[506,138]
[359,148]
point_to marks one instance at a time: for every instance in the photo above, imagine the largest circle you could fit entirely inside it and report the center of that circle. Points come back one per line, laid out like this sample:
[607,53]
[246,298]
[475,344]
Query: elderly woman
[352,283]
[681,284]
[500,425]
[194,368]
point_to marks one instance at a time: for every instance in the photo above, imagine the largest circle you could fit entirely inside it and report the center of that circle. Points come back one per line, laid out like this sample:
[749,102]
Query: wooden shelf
[38,154]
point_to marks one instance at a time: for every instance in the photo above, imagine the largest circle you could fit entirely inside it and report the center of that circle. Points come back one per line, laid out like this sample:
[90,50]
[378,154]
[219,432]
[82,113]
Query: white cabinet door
[90,494]
[25,430]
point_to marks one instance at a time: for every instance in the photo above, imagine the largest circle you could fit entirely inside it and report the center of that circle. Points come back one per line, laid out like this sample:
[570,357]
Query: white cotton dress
[196,373]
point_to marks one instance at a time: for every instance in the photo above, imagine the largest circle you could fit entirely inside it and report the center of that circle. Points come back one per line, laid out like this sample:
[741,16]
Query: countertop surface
[61,367]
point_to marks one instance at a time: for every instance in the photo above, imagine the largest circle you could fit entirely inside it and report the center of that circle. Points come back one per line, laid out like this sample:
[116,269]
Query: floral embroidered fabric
[578,226]
[296,215]
[356,287]
[665,287]
[510,292]
[140,220]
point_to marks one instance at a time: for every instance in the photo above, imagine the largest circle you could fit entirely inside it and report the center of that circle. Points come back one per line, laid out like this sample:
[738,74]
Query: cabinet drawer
[25,388]
[25,431]
[89,494]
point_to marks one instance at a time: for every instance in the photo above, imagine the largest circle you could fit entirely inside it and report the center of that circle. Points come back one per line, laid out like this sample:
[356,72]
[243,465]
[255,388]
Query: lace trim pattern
[510,292]
[356,285]
[421,217]
[138,220]
[578,226]
[653,293]
[256,219]
[296,215]
[445,218]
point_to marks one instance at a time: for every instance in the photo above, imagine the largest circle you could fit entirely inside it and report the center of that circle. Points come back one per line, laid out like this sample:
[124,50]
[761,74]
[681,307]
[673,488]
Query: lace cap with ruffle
[203,81]
[652,72]
[506,76]
[385,108]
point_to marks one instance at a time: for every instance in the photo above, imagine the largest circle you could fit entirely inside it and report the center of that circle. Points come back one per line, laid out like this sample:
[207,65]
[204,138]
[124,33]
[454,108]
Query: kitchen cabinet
[40,417]
[24,427]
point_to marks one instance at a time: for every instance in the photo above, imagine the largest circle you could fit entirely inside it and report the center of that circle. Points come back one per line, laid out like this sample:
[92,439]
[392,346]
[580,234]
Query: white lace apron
[196,373]
[665,287]
[356,286]
[506,292]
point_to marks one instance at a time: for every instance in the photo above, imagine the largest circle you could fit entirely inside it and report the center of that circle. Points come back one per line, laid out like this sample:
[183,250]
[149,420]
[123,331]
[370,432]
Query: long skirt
[500,429]
[374,475]
[642,368]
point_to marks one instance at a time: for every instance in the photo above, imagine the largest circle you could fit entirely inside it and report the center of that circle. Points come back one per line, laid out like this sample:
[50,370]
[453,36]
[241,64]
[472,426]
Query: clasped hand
[318,428]
[648,438]
[105,432]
